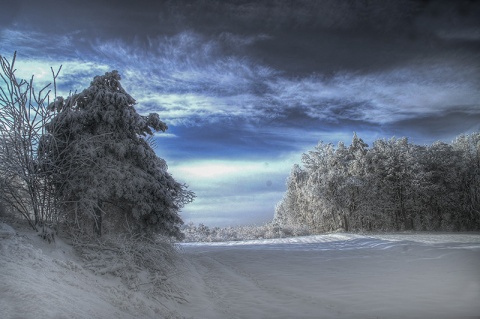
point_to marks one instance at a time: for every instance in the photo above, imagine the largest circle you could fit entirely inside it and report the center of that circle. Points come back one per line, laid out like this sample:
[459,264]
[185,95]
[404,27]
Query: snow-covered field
[339,276]
[325,276]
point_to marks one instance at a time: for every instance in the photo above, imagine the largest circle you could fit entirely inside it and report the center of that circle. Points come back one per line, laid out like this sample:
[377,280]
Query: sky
[247,86]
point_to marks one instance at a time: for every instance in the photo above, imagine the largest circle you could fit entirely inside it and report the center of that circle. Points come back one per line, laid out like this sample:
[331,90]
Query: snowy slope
[41,280]
[326,276]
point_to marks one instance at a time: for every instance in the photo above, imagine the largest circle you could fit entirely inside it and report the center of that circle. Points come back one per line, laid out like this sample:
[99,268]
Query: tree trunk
[97,223]
[345,222]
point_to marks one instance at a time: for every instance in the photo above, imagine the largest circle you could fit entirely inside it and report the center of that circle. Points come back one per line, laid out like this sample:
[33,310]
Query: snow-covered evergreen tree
[106,171]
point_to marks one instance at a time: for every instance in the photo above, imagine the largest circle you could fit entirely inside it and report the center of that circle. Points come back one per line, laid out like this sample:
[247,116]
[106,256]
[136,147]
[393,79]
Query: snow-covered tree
[393,185]
[106,171]
[468,147]
[289,211]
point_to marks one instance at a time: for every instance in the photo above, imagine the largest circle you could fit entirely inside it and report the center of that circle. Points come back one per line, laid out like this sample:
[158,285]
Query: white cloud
[188,78]
[233,210]
[229,188]
[188,75]
[220,171]
[214,169]
[164,135]
[423,89]
[71,77]
[31,42]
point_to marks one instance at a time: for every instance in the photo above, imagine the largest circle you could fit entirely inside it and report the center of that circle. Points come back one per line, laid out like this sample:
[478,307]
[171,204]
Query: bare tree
[24,113]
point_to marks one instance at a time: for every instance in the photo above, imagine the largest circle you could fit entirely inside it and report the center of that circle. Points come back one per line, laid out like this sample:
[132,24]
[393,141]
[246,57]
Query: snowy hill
[41,280]
[324,276]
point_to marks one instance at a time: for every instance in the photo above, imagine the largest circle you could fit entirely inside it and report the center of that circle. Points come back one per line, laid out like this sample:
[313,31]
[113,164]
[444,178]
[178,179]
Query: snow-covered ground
[339,276]
[325,276]
[40,280]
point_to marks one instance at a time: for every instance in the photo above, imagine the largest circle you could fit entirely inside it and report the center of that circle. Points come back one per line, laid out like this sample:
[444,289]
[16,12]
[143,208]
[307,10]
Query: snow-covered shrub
[48,233]
[143,263]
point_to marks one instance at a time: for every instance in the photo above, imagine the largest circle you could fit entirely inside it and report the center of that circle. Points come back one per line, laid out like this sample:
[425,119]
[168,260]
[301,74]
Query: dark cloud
[295,37]
[443,126]
[9,13]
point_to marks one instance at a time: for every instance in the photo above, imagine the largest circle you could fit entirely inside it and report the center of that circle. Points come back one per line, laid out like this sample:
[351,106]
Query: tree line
[203,233]
[393,185]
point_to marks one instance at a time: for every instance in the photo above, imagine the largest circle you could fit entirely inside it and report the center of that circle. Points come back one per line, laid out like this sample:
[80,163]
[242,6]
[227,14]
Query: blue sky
[247,86]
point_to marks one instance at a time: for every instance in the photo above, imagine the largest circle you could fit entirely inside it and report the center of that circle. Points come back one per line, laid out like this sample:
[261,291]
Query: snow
[6,231]
[341,276]
[424,275]
[41,280]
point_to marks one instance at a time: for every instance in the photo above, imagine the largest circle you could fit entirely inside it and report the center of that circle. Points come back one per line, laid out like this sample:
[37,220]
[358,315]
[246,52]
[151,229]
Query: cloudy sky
[247,86]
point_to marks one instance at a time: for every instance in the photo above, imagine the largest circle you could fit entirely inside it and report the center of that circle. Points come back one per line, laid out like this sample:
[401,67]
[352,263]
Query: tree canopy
[106,170]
